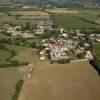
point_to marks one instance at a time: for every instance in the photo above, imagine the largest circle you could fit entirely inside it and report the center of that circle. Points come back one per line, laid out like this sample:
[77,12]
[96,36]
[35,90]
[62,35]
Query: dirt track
[75,81]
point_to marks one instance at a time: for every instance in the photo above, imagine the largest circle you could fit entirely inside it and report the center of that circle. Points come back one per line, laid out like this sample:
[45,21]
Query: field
[21,17]
[62,10]
[8,79]
[12,19]
[77,18]
[23,54]
[30,14]
[74,81]
[27,55]
[5,52]
[96,50]
[71,22]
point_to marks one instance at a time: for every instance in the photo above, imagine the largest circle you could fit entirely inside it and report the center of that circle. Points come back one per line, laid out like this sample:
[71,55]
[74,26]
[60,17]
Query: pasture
[72,22]
[96,50]
[70,18]
[22,54]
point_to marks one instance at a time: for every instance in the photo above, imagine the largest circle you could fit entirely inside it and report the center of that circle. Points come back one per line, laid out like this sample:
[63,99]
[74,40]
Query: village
[67,46]
[49,52]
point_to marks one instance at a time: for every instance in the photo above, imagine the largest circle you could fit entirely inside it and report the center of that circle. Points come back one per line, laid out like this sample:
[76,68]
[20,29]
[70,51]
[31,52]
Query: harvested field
[74,81]
[62,10]
[8,79]
[26,13]
[34,17]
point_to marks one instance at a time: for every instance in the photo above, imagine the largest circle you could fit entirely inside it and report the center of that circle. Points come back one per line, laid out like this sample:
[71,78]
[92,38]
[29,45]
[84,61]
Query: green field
[23,54]
[5,52]
[96,50]
[83,19]
[11,19]
[74,22]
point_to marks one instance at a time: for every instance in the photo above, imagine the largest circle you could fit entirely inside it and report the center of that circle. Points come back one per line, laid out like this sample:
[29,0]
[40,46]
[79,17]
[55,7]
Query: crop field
[72,22]
[11,19]
[21,17]
[30,13]
[62,10]
[8,79]
[74,81]
[76,18]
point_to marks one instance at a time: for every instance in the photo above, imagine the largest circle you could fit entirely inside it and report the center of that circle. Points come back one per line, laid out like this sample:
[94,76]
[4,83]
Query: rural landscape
[49,50]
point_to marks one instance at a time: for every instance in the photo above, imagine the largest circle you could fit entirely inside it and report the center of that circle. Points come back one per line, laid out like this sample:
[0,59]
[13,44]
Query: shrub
[64,61]
[81,55]
[17,89]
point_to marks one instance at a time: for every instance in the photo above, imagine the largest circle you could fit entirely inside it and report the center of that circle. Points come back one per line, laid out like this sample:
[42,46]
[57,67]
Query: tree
[27,26]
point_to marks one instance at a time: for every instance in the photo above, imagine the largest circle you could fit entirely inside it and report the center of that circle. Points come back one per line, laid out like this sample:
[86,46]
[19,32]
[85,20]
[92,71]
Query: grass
[18,89]
[27,55]
[6,53]
[96,50]
[21,54]
[71,22]
[11,19]
[70,18]
[71,55]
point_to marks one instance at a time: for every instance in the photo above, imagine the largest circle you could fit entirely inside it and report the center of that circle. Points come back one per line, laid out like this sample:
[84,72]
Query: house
[89,55]
[39,30]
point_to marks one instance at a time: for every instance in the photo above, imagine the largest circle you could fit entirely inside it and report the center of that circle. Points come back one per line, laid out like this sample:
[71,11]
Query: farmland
[50,81]
[23,54]
[76,18]
[6,52]
[21,17]
[96,50]
[8,79]
[62,82]
[71,22]
[62,10]
[32,13]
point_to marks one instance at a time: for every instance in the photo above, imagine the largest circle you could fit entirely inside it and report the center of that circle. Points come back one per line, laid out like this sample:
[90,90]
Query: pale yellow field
[74,81]
[32,13]
[35,17]
[62,10]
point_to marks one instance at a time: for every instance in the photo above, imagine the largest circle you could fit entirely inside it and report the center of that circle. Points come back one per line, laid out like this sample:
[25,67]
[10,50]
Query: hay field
[74,81]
